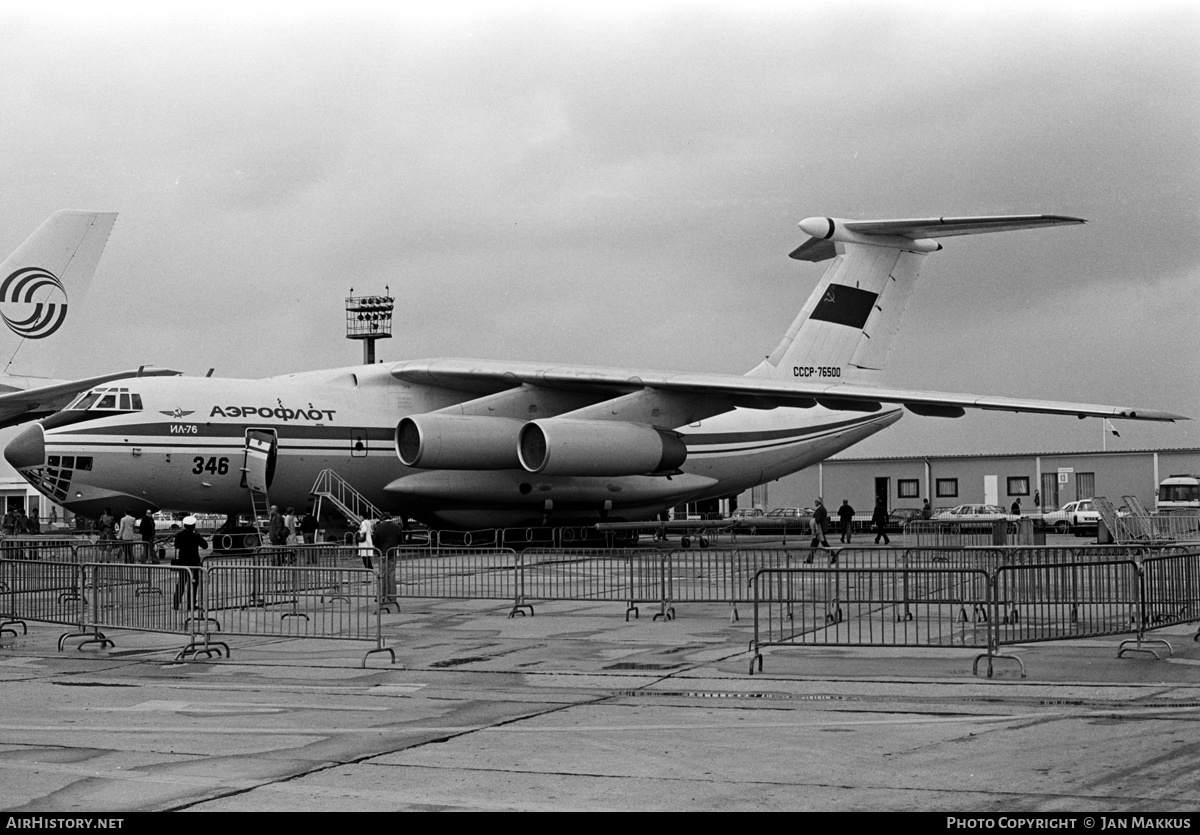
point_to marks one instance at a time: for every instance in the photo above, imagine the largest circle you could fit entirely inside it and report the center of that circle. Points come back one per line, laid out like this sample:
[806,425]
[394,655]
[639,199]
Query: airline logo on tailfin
[55,263]
[33,302]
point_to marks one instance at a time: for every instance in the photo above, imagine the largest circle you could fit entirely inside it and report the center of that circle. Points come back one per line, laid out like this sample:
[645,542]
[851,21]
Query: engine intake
[458,442]
[557,446]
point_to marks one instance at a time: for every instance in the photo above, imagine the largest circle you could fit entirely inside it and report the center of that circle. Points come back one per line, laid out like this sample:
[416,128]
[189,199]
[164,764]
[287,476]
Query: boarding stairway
[331,487]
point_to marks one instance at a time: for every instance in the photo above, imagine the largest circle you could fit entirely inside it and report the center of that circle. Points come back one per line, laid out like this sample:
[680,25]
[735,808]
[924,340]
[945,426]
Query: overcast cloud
[621,186]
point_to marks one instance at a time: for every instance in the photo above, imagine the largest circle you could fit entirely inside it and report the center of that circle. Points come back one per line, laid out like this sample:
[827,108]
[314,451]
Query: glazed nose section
[28,449]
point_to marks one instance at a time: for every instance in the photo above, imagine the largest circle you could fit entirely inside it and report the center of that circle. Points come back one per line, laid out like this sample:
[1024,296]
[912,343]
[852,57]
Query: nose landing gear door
[259,468]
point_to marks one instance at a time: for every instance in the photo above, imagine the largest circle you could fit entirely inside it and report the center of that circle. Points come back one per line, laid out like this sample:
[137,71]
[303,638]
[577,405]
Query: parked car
[1074,517]
[899,518]
[164,521]
[973,516]
[747,513]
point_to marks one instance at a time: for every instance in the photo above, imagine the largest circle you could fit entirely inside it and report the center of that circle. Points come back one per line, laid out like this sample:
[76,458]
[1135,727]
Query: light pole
[369,318]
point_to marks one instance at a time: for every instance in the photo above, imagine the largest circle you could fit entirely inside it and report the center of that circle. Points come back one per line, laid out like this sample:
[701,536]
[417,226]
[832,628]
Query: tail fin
[48,273]
[845,330]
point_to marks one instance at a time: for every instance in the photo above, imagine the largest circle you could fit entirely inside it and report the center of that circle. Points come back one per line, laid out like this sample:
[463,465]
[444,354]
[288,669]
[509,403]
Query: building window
[947,488]
[908,488]
[1018,485]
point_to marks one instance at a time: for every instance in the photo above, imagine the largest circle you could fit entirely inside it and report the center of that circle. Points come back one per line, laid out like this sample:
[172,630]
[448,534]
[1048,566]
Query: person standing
[277,532]
[127,532]
[366,541]
[387,536]
[926,510]
[819,521]
[146,529]
[188,545]
[879,519]
[291,523]
[846,515]
[308,527]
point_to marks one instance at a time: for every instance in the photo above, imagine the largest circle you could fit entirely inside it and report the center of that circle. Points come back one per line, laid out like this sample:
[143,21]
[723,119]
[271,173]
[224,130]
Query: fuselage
[180,444]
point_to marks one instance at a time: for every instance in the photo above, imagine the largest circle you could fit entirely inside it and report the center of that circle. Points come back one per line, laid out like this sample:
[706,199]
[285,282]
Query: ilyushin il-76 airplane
[472,444]
[43,281]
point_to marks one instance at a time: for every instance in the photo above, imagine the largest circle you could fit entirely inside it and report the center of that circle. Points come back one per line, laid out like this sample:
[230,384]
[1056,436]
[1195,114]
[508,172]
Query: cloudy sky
[620,185]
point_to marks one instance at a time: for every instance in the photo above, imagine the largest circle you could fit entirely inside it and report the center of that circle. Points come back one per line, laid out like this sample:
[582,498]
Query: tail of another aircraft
[42,286]
[845,330]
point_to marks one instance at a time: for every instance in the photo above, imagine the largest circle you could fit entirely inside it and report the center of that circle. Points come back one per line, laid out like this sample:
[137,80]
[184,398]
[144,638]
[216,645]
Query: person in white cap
[188,545]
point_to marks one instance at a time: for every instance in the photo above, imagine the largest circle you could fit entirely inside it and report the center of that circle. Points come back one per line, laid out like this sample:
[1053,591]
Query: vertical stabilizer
[42,286]
[845,330]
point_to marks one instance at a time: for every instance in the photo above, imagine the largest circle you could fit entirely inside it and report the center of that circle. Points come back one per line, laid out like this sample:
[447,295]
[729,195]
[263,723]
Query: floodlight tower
[369,318]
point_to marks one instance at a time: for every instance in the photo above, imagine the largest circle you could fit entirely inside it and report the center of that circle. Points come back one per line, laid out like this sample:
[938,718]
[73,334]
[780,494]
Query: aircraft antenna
[369,318]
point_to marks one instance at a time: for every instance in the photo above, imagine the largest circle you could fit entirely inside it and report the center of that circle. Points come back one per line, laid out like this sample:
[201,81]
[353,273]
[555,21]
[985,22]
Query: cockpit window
[115,399]
[86,400]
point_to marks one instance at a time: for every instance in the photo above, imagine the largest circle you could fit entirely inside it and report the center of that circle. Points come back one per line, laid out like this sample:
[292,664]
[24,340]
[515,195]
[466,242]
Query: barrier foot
[62,639]
[371,652]
[1138,645]
[758,658]
[733,613]
[140,590]
[97,638]
[990,656]
[287,615]
[197,616]
[634,609]
[519,609]
[206,648]
[666,614]
[4,627]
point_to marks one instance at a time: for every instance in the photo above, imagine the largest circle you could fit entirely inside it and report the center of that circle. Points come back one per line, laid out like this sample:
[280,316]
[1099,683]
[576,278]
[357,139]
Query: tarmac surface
[577,709]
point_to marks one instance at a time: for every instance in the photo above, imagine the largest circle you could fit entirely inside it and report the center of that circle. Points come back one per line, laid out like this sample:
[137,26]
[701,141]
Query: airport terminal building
[1040,480]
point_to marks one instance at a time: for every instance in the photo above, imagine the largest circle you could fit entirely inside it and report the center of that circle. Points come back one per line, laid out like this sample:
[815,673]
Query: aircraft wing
[21,405]
[488,377]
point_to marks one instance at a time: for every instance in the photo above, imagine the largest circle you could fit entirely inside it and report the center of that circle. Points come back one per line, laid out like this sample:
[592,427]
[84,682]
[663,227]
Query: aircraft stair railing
[331,487]
[1138,525]
[1108,515]
[1135,506]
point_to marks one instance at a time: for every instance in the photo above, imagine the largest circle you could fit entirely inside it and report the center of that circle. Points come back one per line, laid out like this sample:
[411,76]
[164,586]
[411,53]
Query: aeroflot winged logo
[33,302]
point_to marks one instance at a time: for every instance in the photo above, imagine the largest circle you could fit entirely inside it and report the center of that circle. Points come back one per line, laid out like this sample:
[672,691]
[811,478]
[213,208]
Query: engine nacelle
[458,442]
[558,446]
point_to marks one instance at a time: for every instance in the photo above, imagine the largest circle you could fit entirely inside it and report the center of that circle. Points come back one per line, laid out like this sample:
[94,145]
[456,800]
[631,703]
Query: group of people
[129,529]
[879,520]
[290,528]
[15,523]
[382,536]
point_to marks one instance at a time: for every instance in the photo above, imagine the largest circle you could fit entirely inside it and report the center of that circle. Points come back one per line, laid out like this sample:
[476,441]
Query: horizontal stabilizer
[914,234]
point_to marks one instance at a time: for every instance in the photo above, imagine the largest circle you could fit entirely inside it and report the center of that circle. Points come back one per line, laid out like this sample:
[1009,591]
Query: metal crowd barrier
[296,601]
[47,592]
[1020,597]
[628,576]
[457,573]
[869,607]
[306,601]
[1171,527]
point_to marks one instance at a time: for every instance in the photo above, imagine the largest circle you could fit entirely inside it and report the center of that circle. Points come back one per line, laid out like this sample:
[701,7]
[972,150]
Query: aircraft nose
[28,449]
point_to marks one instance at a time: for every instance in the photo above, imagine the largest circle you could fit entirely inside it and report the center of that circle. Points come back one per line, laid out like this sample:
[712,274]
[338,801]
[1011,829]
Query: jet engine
[458,442]
[562,446]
